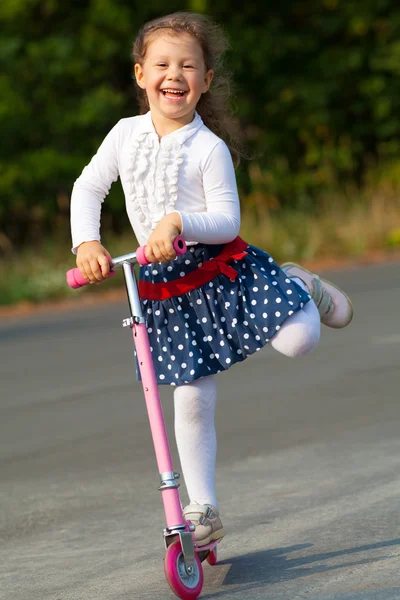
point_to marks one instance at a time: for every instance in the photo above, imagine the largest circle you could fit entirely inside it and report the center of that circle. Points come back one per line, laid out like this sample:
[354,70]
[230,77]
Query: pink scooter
[183,558]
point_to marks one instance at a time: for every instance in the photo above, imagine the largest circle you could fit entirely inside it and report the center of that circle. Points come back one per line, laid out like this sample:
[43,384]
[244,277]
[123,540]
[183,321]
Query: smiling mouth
[171,93]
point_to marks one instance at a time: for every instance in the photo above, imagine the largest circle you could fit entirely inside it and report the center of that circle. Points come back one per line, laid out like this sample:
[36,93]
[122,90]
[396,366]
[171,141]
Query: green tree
[317,94]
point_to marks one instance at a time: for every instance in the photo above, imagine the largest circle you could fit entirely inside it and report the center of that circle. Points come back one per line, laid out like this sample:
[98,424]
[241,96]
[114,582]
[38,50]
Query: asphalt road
[308,463]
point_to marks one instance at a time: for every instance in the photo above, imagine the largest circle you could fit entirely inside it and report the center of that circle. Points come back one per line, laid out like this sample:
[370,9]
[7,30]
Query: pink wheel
[212,557]
[184,585]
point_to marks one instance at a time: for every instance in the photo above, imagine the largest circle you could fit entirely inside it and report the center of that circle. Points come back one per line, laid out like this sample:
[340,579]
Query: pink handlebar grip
[76,280]
[179,247]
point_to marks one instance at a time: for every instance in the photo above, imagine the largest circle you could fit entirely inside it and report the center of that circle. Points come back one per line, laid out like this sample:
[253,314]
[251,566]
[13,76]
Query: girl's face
[174,77]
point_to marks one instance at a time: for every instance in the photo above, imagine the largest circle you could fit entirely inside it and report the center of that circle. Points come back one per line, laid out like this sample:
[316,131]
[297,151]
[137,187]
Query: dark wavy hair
[213,106]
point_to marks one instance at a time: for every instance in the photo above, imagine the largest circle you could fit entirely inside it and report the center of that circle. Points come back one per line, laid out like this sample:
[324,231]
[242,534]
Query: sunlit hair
[213,106]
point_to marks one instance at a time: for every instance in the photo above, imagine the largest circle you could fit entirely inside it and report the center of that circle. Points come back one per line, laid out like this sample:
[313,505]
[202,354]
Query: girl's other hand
[92,260]
[159,247]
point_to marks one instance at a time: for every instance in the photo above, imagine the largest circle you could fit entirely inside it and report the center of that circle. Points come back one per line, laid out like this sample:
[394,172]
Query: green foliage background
[317,92]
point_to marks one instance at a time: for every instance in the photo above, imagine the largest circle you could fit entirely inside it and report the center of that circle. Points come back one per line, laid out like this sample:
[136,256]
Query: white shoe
[207,522]
[334,306]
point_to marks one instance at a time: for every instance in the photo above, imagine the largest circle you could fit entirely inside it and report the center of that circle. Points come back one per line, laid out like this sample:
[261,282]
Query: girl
[223,300]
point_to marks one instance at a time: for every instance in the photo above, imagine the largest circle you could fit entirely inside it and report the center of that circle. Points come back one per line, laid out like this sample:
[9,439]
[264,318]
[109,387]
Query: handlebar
[76,280]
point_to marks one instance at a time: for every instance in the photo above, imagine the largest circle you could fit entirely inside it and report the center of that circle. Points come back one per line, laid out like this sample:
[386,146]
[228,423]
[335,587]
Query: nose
[174,73]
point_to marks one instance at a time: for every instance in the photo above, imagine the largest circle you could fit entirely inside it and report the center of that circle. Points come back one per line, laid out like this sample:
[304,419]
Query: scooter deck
[203,551]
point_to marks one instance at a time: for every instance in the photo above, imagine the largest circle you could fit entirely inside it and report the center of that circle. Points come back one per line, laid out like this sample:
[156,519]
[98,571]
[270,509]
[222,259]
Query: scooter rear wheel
[212,557]
[185,586]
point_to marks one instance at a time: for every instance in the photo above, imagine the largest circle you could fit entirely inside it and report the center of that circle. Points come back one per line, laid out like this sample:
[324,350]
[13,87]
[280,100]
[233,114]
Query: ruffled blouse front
[154,174]
[189,171]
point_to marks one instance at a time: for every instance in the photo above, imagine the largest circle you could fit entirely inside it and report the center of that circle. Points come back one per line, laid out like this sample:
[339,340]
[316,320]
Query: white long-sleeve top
[189,171]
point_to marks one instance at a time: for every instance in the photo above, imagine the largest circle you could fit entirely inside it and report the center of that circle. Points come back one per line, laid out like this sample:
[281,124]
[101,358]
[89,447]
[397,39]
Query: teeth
[177,92]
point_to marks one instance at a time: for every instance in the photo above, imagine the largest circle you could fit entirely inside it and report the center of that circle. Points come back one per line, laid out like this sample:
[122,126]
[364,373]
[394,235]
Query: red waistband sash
[234,250]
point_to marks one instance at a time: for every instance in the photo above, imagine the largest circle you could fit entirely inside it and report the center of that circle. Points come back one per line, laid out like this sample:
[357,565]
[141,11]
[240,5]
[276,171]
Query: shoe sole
[217,535]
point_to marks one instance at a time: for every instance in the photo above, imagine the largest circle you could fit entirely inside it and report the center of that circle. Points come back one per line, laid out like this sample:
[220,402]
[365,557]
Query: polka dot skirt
[211,328]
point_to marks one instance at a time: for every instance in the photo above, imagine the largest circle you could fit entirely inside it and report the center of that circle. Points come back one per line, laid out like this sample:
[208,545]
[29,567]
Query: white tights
[195,406]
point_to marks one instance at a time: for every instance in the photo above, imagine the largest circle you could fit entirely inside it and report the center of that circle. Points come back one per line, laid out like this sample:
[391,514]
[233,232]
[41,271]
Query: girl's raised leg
[300,333]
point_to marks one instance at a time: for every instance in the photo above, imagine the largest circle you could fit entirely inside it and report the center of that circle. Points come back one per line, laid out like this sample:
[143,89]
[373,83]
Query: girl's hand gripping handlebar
[178,244]
[76,280]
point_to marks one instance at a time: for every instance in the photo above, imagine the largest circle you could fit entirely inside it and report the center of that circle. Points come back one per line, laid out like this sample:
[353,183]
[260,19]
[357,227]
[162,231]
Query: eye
[162,64]
[188,66]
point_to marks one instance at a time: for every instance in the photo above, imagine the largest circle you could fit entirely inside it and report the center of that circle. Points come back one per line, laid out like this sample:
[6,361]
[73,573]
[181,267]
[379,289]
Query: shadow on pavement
[268,567]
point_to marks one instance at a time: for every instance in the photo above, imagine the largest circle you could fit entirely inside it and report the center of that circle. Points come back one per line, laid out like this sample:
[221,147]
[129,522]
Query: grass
[335,233]
[348,226]
[345,226]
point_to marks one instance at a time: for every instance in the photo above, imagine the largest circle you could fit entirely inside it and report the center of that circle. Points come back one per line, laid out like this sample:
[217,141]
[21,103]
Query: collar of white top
[181,135]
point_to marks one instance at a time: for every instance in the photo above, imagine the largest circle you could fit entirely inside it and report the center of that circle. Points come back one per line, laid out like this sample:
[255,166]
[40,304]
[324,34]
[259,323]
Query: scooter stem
[169,487]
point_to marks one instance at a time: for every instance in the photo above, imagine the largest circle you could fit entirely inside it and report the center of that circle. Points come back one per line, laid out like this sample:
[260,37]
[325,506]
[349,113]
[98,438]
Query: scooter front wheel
[184,585]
